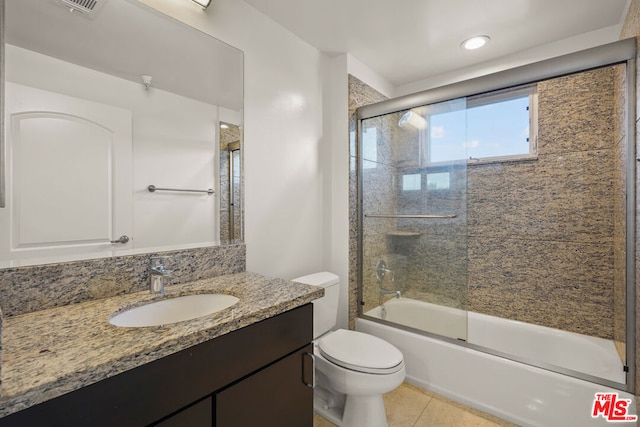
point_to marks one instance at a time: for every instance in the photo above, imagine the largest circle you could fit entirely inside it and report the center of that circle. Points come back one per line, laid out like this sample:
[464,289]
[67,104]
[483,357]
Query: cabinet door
[197,415]
[274,396]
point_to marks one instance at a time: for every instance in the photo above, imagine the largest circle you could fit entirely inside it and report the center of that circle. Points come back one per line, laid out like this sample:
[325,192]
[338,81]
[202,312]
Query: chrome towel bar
[153,188]
[410,216]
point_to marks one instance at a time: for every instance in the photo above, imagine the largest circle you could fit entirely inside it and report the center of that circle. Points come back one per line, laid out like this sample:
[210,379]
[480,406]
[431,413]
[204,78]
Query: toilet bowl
[363,368]
[353,369]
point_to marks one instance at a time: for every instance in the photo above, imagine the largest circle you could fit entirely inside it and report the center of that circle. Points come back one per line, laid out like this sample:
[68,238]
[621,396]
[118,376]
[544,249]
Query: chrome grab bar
[417,216]
[153,188]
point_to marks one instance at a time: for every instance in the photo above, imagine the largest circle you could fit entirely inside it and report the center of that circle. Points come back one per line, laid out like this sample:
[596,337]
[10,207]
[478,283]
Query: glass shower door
[414,238]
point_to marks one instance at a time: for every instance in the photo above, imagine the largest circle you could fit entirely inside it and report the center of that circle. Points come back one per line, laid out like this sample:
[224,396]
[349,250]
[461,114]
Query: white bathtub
[514,391]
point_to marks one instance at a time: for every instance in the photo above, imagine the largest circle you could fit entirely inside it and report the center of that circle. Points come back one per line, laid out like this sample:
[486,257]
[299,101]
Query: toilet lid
[360,352]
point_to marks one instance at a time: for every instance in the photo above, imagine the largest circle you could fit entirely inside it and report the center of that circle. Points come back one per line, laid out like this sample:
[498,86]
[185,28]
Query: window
[370,147]
[489,127]
[438,181]
[411,182]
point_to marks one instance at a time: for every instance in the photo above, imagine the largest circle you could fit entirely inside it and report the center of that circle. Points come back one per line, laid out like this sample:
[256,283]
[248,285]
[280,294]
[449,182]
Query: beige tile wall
[541,233]
[377,179]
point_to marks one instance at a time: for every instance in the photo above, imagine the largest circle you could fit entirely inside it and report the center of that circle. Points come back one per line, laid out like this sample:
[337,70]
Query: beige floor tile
[440,413]
[318,421]
[418,389]
[497,421]
[404,405]
[411,406]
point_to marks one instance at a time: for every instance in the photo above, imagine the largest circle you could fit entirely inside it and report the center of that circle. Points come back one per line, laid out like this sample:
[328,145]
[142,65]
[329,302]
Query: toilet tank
[325,309]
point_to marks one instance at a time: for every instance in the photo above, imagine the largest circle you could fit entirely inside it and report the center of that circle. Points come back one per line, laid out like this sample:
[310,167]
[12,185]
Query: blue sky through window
[486,130]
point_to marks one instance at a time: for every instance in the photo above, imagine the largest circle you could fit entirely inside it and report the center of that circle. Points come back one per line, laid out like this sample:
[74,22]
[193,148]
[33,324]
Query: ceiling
[409,40]
[112,41]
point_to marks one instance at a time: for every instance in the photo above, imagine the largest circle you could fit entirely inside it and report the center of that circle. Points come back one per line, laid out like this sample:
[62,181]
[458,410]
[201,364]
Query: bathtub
[518,392]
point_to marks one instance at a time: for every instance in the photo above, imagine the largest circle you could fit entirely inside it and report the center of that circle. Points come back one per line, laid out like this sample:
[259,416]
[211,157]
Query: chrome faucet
[384,291]
[158,273]
[381,272]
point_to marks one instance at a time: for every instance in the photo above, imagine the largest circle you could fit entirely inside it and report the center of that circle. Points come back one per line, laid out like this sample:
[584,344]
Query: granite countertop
[51,352]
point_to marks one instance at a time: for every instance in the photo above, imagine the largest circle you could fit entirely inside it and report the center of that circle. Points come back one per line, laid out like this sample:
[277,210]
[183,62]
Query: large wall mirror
[103,99]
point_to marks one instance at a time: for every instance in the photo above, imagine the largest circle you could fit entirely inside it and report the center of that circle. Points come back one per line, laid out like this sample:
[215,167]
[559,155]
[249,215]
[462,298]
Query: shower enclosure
[499,214]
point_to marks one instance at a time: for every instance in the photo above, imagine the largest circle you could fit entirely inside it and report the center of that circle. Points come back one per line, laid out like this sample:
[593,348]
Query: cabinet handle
[313,370]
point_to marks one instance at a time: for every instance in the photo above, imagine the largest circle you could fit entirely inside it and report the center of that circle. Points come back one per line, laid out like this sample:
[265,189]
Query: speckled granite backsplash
[28,289]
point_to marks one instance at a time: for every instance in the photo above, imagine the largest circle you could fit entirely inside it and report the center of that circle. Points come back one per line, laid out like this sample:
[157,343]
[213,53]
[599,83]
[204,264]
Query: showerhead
[413,119]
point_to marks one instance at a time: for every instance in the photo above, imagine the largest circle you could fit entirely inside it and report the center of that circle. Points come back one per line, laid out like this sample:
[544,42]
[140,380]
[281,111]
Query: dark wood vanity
[256,375]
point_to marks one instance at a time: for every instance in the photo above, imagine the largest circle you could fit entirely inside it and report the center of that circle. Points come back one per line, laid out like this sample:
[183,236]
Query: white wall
[283,135]
[337,178]
[337,164]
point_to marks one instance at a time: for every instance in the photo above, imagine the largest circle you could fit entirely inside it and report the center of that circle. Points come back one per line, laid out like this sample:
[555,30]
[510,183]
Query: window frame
[531,90]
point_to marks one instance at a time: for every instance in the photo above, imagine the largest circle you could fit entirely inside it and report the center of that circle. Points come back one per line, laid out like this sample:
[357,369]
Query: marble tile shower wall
[378,178]
[28,289]
[541,233]
[379,174]
[435,249]
[537,241]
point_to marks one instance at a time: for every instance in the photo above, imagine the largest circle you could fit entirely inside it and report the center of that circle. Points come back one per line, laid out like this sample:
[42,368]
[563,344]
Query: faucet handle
[382,270]
[158,260]
[157,263]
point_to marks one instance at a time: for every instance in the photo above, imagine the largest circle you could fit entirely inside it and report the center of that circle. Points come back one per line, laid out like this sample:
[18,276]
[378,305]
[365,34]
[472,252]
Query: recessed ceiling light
[224,126]
[475,42]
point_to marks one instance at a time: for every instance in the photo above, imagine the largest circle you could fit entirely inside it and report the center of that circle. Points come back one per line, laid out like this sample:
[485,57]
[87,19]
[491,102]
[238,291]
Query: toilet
[353,369]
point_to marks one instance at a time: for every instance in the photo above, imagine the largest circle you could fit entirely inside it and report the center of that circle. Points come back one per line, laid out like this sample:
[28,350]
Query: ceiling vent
[87,8]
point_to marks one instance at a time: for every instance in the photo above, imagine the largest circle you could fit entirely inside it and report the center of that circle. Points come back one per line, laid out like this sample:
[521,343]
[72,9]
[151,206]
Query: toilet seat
[360,352]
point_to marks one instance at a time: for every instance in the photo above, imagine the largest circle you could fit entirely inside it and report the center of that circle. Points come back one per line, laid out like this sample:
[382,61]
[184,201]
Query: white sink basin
[173,310]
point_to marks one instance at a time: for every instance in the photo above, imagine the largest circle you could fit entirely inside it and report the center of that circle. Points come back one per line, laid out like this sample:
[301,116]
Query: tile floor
[410,406]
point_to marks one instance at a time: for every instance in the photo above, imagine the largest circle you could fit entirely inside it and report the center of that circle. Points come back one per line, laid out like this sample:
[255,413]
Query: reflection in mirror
[231,209]
[99,105]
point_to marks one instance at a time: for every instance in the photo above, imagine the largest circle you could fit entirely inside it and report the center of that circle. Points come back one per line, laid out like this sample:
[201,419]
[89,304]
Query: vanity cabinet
[274,396]
[198,414]
[256,375]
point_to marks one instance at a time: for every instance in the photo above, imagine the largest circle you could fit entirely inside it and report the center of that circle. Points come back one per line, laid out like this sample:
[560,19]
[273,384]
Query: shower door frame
[620,52]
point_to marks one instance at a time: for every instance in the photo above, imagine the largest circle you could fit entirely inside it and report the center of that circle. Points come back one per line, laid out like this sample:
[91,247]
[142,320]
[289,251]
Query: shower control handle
[382,270]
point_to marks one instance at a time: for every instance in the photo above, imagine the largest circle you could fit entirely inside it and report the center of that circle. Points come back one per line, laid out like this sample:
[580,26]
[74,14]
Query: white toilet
[353,369]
